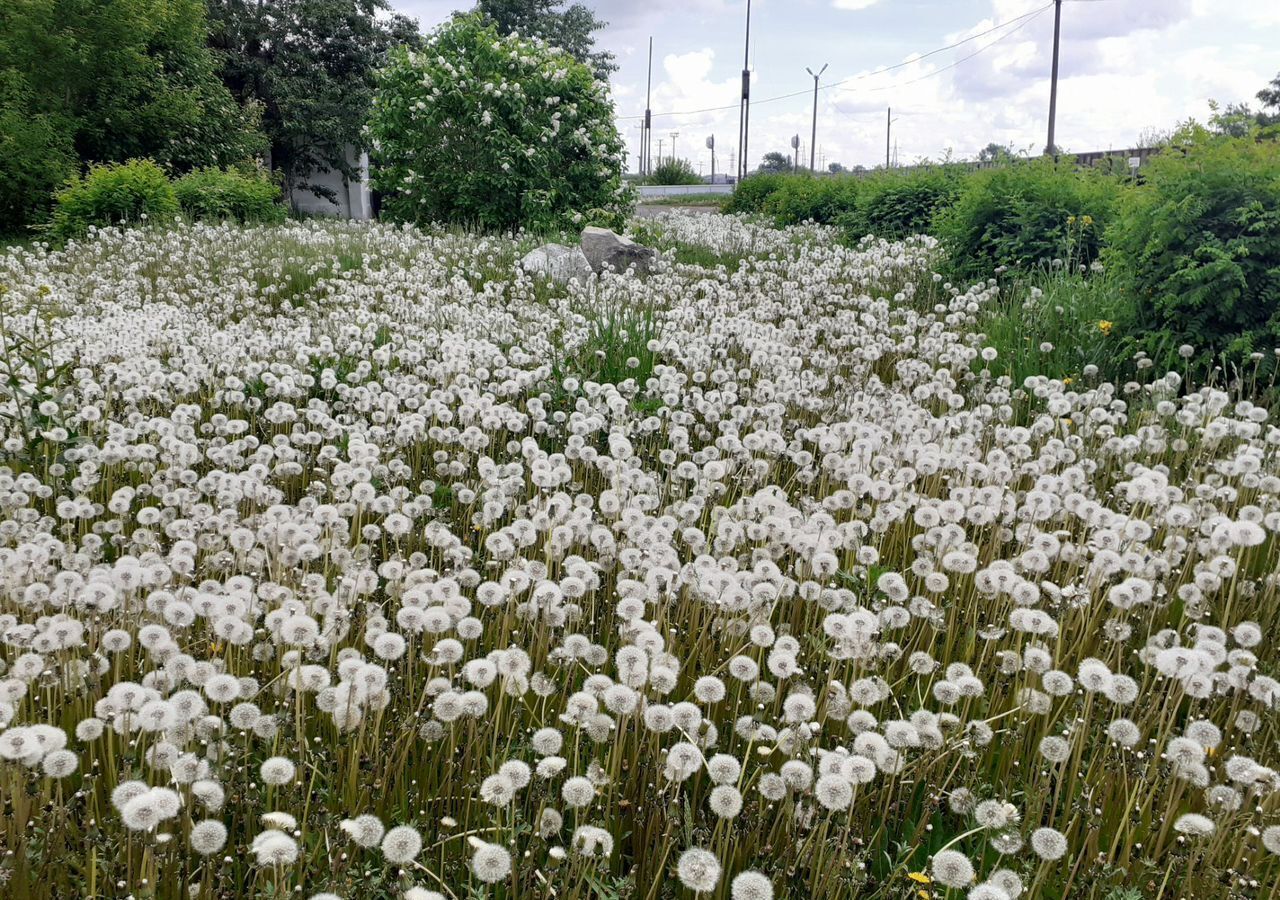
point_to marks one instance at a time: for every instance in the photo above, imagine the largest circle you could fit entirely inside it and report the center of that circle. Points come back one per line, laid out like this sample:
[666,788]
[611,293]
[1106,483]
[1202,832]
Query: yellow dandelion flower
[1088,220]
[920,878]
[1071,220]
[1067,380]
[1105,326]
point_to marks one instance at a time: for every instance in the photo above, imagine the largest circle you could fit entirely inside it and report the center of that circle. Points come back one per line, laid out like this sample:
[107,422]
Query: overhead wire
[1021,21]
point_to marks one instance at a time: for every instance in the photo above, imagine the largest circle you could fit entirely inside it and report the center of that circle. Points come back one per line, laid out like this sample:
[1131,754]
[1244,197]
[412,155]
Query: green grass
[716,200]
[1057,324]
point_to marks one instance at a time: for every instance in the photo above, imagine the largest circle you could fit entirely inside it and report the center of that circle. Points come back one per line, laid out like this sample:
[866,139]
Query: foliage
[803,198]
[1269,97]
[310,65]
[37,155]
[1023,216]
[131,192]
[899,204]
[1061,324]
[994,152]
[106,82]
[749,194]
[775,163]
[572,28]
[674,171]
[1199,247]
[246,194]
[496,132]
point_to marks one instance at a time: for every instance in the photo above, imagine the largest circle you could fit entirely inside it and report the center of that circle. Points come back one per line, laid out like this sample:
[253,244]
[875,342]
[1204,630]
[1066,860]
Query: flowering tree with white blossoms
[497,132]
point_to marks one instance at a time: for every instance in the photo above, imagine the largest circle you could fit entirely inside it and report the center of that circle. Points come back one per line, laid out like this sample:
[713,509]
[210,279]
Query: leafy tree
[496,132]
[570,28]
[675,171]
[105,81]
[994,152]
[836,168]
[1269,97]
[311,65]
[1232,120]
[775,163]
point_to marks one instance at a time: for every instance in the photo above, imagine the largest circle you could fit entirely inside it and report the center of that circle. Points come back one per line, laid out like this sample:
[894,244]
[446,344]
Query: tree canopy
[310,65]
[106,81]
[571,28]
[775,162]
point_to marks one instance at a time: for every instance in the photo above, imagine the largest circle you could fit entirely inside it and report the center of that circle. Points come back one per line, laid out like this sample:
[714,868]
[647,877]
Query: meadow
[350,560]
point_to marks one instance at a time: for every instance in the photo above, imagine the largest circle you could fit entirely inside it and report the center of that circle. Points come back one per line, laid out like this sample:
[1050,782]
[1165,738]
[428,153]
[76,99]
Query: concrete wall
[680,190]
[353,199]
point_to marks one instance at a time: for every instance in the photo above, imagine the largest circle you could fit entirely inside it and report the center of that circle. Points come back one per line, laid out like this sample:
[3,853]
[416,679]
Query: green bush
[750,193]
[496,132]
[134,191]
[801,198]
[898,205]
[1199,247]
[1027,215]
[674,171]
[245,194]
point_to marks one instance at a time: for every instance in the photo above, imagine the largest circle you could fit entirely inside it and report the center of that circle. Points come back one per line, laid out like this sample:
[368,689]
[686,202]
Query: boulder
[557,262]
[605,248]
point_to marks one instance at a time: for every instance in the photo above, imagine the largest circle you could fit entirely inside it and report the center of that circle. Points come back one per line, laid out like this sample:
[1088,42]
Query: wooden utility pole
[1051,148]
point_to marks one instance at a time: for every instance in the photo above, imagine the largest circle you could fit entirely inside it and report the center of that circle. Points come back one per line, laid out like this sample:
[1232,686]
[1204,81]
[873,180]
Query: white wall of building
[353,199]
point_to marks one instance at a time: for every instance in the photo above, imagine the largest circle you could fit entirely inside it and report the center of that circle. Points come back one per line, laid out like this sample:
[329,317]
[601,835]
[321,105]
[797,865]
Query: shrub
[802,198]
[495,132]
[1026,215]
[1199,247]
[750,194]
[897,205]
[246,194]
[130,192]
[674,171]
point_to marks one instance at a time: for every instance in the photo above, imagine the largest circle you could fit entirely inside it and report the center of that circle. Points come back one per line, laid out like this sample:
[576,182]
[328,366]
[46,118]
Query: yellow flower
[924,895]
[1071,220]
[1088,220]
[1105,327]
[919,878]
[1067,380]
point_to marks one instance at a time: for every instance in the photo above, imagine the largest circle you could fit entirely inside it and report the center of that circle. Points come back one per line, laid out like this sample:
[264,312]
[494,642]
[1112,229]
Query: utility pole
[813,140]
[674,135]
[711,145]
[795,160]
[660,142]
[647,137]
[1051,147]
[888,129]
[744,106]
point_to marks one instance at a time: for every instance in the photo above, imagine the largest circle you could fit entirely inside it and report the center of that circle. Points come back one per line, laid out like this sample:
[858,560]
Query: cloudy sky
[1128,66]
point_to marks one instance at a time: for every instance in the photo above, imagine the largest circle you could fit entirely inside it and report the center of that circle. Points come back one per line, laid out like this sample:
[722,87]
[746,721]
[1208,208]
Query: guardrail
[683,190]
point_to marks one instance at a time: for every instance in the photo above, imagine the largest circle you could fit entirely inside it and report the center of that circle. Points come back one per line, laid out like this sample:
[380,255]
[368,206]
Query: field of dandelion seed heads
[352,561]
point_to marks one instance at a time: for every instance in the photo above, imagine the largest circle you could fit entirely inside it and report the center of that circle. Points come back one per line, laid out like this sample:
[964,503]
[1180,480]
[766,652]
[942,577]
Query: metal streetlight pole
[744,106]
[674,135]
[1051,147]
[813,140]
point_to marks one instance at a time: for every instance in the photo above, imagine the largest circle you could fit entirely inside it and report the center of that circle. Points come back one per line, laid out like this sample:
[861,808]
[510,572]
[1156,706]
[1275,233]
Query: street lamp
[813,140]
[674,135]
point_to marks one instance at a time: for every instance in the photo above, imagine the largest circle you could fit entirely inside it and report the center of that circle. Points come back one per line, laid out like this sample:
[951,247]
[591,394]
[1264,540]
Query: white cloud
[853,4]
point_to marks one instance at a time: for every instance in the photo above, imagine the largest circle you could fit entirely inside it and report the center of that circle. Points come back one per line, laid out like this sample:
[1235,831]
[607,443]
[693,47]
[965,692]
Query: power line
[1024,19]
